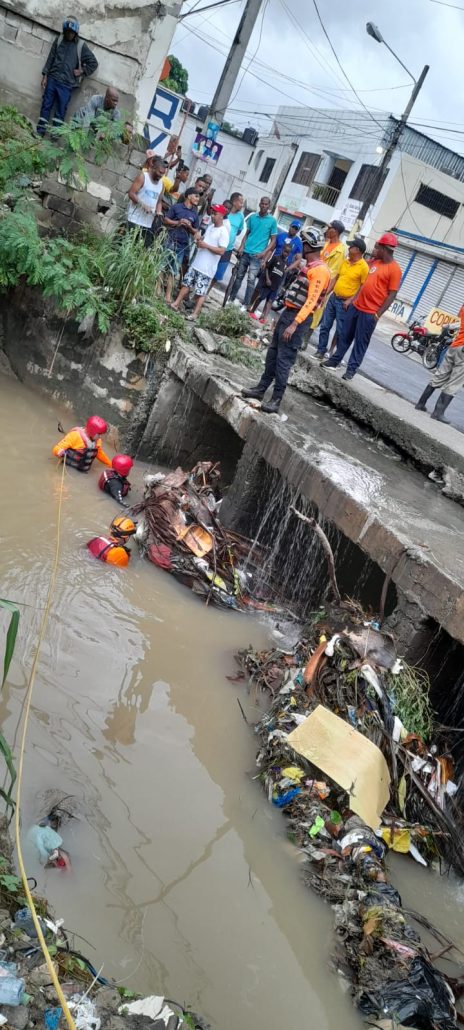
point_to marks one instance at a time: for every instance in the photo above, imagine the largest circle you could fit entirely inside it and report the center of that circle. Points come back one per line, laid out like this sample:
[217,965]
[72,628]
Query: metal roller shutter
[453,297]
[403,256]
[415,277]
[434,289]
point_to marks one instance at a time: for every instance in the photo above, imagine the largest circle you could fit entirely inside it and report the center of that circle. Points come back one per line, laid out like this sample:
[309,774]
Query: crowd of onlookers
[312,279]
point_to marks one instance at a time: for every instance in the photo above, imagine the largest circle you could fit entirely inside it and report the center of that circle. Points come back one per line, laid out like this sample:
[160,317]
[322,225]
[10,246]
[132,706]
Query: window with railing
[324,193]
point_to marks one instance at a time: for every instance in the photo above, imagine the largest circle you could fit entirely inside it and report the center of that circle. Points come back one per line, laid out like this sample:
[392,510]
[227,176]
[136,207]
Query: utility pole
[377,177]
[234,60]
[230,72]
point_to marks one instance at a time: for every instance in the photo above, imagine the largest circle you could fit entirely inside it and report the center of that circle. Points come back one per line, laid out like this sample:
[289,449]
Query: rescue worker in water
[113,548]
[82,445]
[114,481]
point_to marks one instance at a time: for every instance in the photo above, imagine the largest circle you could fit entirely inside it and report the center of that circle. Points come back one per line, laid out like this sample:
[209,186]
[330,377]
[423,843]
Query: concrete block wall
[24,47]
[102,204]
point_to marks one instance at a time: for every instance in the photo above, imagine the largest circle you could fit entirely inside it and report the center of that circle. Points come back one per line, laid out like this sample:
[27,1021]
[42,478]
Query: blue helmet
[71,23]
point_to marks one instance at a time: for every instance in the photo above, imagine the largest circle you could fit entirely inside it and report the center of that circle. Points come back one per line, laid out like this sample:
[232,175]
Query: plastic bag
[423,1000]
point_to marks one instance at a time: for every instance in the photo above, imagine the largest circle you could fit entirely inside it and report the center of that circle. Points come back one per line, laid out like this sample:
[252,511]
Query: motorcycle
[429,346]
[436,345]
[414,339]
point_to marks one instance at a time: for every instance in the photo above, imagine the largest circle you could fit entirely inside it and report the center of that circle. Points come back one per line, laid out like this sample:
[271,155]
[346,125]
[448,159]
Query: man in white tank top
[145,199]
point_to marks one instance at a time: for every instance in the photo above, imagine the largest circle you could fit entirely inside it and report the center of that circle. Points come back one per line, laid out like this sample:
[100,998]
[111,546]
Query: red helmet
[122,463]
[96,426]
[388,240]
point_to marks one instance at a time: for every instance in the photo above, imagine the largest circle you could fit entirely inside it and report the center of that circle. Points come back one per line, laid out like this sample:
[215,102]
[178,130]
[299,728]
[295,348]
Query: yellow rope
[27,708]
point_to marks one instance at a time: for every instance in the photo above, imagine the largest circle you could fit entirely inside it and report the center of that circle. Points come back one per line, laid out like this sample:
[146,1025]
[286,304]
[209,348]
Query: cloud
[419,31]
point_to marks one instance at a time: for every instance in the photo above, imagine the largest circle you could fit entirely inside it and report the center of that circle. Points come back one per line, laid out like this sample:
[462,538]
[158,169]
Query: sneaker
[271,408]
[253,316]
[330,363]
[348,375]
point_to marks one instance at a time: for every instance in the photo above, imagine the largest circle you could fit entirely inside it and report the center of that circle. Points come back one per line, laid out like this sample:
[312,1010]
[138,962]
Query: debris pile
[182,534]
[27,996]
[336,755]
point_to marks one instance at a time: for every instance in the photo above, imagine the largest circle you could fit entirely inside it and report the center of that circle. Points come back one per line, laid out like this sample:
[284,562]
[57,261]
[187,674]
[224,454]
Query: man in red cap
[203,267]
[367,306]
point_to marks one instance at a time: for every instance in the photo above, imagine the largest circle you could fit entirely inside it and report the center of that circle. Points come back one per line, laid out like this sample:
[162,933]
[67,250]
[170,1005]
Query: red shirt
[382,279]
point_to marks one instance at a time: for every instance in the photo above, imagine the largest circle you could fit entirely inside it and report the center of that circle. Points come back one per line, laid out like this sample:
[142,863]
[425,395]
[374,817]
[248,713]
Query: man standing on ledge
[67,63]
[257,245]
[371,302]
[301,300]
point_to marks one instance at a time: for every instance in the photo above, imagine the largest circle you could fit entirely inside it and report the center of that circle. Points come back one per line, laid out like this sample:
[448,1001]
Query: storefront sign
[163,119]
[400,310]
[437,318]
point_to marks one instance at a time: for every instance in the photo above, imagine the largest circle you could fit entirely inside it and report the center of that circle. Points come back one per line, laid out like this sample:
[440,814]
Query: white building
[421,198]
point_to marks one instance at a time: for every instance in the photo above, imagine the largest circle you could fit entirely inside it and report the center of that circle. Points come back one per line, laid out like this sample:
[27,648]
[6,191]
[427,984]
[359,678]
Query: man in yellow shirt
[334,250]
[352,275]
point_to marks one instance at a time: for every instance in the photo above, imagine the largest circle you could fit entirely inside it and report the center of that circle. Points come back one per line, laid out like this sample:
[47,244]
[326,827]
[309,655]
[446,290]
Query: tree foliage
[178,77]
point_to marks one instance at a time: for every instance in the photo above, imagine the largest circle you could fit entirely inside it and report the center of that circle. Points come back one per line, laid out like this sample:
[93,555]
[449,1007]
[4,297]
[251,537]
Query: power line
[326,34]
[442,3]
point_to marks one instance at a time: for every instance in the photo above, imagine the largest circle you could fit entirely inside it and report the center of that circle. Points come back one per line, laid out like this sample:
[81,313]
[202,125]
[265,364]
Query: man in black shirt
[67,63]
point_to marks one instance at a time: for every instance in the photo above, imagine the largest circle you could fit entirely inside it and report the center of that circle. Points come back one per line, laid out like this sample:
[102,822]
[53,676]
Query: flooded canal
[182,878]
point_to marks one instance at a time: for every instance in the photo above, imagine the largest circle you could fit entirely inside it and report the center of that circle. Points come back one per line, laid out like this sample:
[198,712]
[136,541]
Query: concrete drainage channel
[385,518]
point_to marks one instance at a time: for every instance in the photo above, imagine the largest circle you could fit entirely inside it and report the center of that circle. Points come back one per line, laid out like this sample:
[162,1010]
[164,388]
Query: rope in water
[27,707]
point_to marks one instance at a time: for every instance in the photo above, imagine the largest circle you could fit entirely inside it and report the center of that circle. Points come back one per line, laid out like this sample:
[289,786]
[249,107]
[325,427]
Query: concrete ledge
[431,445]
[395,516]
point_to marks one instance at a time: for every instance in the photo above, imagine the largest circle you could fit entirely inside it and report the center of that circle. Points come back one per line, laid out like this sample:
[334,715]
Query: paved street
[402,374]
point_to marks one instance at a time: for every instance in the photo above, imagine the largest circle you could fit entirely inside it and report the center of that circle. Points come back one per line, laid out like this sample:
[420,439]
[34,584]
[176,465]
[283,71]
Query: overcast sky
[305,70]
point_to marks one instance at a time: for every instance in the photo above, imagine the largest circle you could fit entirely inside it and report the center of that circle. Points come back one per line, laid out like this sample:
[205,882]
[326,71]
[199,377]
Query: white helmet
[313,237]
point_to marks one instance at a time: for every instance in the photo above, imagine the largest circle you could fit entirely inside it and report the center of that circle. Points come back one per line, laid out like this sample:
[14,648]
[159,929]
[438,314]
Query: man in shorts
[203,267]
[182,223]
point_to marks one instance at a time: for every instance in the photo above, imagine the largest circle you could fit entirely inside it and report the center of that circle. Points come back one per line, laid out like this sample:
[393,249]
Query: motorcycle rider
[302,299]
[113,549]
[114,481]
[82,445]
[448,377]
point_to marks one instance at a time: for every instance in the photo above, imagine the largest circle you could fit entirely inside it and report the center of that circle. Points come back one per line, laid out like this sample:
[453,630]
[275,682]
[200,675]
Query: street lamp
[376,183]
[374,31]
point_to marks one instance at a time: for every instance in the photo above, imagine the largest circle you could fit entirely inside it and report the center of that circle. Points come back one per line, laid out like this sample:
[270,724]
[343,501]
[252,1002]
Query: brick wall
[102,203]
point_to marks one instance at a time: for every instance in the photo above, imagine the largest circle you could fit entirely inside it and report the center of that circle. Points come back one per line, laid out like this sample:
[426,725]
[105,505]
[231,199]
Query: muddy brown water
[182,878]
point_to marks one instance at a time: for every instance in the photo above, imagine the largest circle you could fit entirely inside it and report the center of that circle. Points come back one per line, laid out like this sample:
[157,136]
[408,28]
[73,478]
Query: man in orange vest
[82,445]
[301,301]
[448,377]
[113,548]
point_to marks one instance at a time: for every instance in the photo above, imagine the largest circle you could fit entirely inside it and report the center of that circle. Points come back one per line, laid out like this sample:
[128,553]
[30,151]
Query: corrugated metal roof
[432,153]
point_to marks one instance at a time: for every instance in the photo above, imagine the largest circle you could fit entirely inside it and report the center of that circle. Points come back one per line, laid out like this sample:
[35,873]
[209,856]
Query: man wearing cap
[69,60]
[291,237]
[301,301]
[203,267]
[352,275]
[374,298]
[334,250]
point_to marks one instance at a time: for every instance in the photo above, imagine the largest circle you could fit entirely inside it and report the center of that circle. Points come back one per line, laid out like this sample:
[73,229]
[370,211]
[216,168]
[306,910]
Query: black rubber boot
[271,408]
[429,390]
[253,391]
[441,406]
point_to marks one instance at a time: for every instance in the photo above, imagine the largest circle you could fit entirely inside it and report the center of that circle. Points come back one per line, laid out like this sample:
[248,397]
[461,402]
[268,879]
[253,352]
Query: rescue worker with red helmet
[113,548]
[114,481]
[82,445]
[371,301]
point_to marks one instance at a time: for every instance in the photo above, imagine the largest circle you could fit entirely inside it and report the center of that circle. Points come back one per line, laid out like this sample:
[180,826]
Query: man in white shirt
[203,267]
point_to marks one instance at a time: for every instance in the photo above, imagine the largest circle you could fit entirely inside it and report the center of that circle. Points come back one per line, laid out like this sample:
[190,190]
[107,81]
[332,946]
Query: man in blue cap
[69,60]
[291,237]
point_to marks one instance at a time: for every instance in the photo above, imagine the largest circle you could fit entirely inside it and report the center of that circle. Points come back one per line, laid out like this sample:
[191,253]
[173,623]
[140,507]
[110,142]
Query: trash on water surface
[84,1013]
[52,1018]
[353,761]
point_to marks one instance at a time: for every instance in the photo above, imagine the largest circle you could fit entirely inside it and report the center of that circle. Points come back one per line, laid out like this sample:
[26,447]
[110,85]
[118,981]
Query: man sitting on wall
[67,63]
[99,104]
